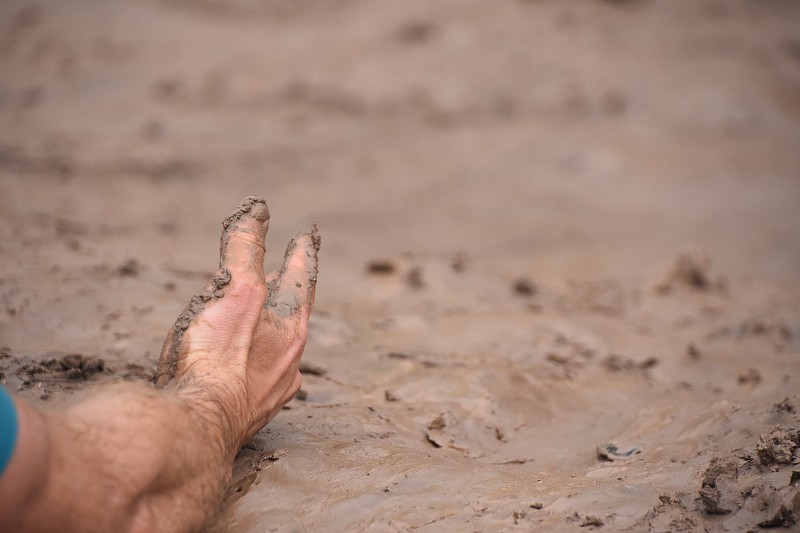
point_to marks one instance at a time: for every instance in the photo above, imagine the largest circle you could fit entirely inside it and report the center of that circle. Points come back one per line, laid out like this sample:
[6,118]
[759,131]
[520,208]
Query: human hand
[234,351]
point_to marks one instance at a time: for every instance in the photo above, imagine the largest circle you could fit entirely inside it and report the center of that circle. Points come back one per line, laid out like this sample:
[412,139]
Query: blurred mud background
[548,227]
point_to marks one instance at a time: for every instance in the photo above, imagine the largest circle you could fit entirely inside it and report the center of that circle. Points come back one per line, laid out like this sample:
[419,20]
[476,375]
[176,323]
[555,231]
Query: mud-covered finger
[242,248]
[294,290]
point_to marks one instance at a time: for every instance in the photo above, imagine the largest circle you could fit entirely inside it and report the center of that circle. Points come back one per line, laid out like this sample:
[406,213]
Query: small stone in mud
[524,287]
[537,505]
[415,279]
[381,266]
[301,395]
[751,376]
[314,370]
[399,355]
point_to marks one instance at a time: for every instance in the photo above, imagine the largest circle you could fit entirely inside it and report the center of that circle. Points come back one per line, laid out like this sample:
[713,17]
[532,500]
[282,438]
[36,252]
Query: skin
[128,457]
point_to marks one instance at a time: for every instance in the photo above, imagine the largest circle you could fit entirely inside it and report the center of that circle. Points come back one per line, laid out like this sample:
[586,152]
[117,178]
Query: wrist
[215,418]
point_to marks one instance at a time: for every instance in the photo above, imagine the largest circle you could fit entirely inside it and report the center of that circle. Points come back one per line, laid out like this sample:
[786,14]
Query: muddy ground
[548,228]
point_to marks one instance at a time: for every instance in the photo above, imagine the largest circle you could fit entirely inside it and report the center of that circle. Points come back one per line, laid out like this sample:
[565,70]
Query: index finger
[242,248]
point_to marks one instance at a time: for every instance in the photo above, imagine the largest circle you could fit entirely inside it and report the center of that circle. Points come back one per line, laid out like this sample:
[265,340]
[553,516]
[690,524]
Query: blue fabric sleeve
[9,426]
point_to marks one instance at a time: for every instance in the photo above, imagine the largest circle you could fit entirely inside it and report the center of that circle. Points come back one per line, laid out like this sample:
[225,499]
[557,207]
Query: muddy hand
[238,343]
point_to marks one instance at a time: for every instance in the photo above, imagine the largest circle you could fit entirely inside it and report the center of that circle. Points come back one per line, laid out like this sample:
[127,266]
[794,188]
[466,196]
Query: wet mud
[559,286]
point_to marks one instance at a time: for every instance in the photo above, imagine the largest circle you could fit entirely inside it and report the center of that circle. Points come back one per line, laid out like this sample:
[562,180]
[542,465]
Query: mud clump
[588,520]
[618,363]
[391,396]
[671,514]
[693,352]
[381,267]
[130,268]
[751,376]
[719,492]
[780,445]
[434,434]
[784,406]
[741,489]
[71,366]
[524,287]
[50,374]
[692,271]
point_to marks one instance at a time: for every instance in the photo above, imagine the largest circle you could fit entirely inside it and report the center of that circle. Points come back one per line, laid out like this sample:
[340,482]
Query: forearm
[115,461]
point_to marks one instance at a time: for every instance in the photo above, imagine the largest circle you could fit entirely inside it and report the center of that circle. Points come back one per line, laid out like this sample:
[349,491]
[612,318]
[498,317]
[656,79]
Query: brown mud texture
[559,287]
